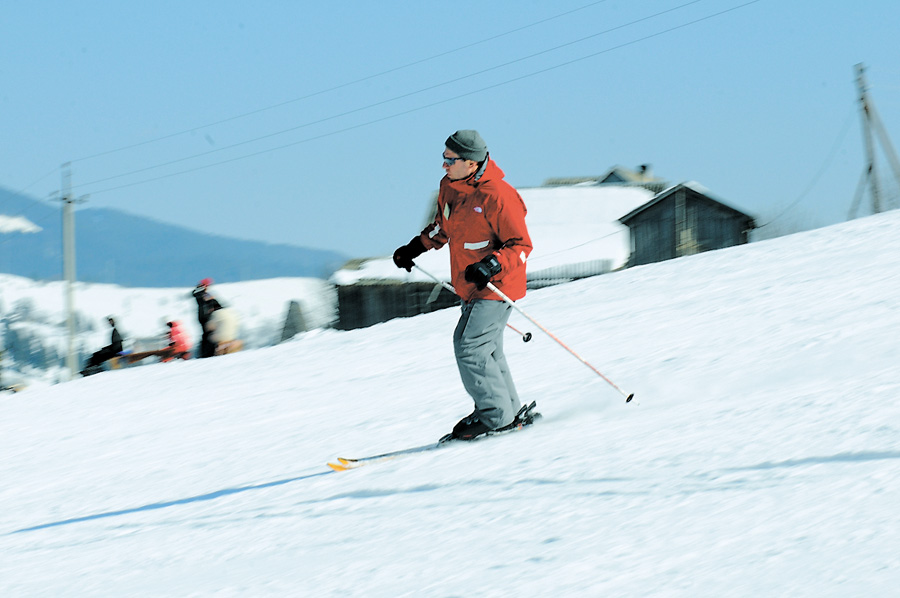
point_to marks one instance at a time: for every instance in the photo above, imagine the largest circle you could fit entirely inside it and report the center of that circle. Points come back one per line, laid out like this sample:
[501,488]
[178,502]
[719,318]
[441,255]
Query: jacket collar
[488,171]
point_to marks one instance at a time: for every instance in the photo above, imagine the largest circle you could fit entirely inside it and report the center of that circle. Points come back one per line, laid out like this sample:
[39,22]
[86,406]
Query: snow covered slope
[760,457]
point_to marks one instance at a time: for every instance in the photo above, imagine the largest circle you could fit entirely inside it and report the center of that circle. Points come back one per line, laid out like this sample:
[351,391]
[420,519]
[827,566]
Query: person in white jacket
[223,327]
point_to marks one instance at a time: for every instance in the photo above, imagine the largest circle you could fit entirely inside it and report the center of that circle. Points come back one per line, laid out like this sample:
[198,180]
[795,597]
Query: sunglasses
[450,161]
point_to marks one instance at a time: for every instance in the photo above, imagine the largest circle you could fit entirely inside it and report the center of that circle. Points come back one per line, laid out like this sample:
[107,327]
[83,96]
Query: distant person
[178,347]
[206,305]
[223,327]
[106,353]
[179,343]
[482,219]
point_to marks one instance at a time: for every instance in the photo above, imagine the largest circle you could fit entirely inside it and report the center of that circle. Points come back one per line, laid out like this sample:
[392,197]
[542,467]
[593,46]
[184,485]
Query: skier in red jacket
[179,344]
[482,219]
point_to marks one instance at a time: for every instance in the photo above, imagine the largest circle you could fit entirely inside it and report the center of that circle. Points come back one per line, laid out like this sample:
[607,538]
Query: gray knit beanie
[468,145]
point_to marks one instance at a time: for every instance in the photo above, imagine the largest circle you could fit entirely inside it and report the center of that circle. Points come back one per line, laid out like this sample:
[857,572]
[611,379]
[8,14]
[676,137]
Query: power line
[342,85]
[825,164]
[606,236]
[383,102]
[433,104]
[30,185]
[409,94]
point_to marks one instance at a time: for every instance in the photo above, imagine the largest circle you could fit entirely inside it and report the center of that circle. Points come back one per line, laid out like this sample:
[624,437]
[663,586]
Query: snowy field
[760,457]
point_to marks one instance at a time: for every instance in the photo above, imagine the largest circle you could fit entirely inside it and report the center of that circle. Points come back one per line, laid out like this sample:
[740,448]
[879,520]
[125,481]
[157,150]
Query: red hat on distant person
[205,282]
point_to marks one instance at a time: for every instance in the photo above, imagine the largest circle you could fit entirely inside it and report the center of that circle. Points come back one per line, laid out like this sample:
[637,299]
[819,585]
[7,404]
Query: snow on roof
[694,186]
[568,225]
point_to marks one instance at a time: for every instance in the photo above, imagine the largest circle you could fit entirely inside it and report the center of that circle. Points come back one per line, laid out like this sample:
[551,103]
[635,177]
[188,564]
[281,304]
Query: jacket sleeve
[507,218]
[434,236]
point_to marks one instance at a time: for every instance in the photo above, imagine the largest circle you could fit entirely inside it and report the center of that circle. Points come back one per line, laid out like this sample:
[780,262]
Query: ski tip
[344,461]
[629,397]
[338,466]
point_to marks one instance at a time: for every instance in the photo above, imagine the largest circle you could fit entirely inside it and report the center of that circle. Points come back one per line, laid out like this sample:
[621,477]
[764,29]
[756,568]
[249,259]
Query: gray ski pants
[478,343]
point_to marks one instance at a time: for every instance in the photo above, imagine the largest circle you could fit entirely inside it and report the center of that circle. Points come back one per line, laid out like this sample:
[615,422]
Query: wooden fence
[367,303]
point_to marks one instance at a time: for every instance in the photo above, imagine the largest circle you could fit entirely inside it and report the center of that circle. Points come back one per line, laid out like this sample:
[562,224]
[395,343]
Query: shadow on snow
[172,503]
[840,457]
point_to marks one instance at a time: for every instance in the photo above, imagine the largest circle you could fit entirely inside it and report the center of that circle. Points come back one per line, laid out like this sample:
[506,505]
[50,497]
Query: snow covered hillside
[760,457]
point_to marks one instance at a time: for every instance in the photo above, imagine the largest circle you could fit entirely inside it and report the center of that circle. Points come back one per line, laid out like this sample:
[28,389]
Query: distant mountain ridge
[133,251]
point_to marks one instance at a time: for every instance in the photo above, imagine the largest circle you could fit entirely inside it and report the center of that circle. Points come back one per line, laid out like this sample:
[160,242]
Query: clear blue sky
[321,125]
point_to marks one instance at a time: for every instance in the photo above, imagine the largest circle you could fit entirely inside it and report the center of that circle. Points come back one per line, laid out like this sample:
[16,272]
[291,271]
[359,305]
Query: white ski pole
[526,336]
[503,296]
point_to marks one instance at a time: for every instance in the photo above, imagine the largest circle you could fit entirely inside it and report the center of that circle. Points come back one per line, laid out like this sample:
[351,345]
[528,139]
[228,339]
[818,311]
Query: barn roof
[693,186]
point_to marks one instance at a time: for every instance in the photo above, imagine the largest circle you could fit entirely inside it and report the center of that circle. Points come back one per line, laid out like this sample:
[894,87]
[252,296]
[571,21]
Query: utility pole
[69,264]
[868,142]
[872,125]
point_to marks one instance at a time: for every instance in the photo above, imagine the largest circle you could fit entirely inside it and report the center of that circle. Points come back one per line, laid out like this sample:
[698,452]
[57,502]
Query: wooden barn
[683,220]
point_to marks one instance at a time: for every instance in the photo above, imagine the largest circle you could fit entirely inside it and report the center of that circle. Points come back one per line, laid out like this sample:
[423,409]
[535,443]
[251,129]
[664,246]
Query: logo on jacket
[478,209]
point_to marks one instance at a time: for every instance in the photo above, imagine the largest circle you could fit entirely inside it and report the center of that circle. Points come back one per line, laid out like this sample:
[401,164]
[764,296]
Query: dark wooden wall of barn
[361,305]
[685,223]
[653,234]
[367,303]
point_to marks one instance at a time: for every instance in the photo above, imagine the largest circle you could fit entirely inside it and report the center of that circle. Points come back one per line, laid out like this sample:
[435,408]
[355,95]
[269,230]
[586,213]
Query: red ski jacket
[478,216]
[178,338]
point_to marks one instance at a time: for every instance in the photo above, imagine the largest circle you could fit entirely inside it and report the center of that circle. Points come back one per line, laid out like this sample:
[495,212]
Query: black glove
[404,256]
[481,272]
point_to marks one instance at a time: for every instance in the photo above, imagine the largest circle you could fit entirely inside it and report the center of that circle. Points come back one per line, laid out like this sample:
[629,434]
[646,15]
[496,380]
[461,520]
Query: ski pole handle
[503,296]
[525,336]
